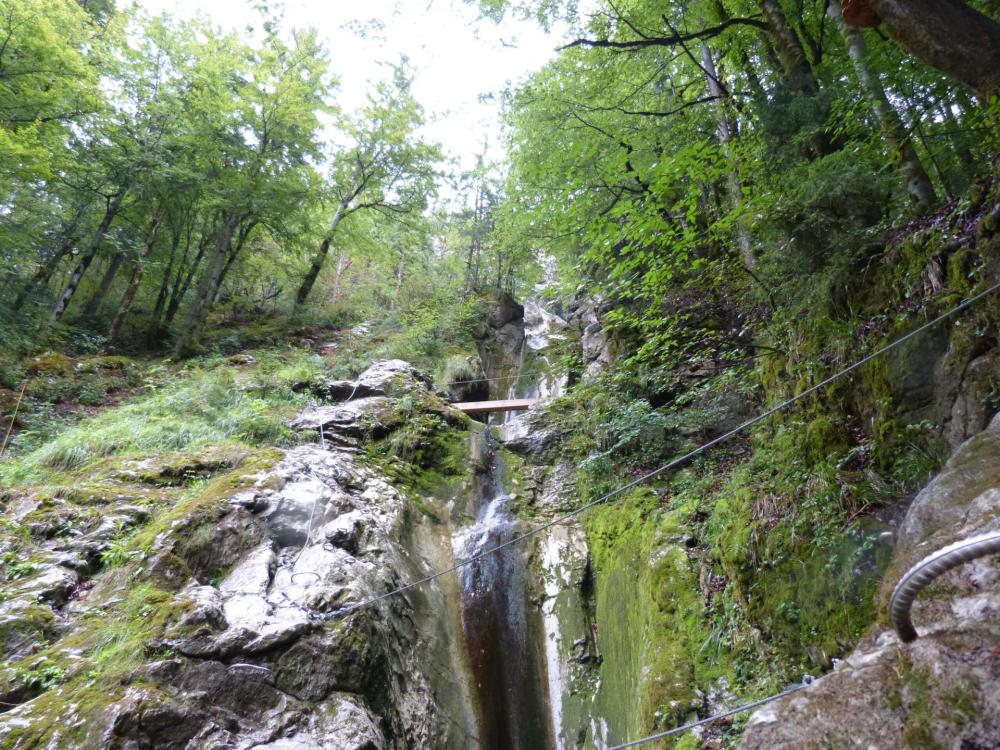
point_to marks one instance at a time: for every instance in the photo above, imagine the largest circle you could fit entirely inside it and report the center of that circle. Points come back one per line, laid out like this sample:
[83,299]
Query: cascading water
[501,627]
[505,634]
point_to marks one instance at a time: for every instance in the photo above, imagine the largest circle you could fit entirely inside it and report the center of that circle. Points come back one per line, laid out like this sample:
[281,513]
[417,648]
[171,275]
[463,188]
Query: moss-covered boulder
[942,690]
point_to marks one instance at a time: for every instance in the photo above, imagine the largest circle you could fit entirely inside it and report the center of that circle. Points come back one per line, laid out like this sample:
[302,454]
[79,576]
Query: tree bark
[949,35]
[43,274]
[320,258]
[244,234]
[726,131]
[113,207]
[790,51]
[343,265]
[918,183]
[207,288]
[183,283]
[133,284]
[181,286]
[161,295]
[94,303]
[48,268]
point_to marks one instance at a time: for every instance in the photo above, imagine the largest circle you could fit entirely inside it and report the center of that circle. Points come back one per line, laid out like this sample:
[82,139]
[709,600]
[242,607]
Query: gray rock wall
[942,690]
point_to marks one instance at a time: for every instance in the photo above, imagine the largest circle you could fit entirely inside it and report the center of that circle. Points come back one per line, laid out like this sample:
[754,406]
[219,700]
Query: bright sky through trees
[457,58]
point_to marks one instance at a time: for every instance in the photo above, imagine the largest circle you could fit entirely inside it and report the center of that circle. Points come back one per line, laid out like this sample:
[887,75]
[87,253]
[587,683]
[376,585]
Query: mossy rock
[650,617]
[174,469]
[50,363]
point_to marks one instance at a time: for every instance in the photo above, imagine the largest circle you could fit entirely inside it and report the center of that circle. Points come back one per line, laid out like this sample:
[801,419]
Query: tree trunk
[726,131]
[183,283]
[113,207]
[320,258]
[343,265]
[207,288]
[161,295]
[918,184]
[94,303]
[43,274]
[231,258]
[48,268]
[790,51]
[950,36]
[133,284]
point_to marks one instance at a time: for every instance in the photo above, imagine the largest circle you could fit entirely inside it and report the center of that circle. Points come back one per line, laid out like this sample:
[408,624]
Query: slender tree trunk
[43,274]
[959,143]
[183,282]
[181,286]
[161,295]
[133,284]
[726,131]
[343,264]
[399,281]
[94,303]
[113,207]
[320,258]
[790,51]
[244,234]
[918,184]
[207,287]
[949,35]
[41,278]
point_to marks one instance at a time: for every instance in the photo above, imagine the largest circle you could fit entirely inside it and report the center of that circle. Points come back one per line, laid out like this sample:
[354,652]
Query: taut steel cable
[671,464]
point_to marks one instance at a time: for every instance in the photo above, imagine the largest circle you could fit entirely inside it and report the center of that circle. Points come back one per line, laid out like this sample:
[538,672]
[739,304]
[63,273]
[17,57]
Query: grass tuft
[206,407]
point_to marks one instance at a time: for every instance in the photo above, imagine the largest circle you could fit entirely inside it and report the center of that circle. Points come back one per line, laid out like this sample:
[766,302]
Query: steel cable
[669,465]
[806,681]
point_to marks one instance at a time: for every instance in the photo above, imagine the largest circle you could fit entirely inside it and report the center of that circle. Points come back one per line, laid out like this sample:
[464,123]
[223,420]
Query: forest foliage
[708,168]
[160,174]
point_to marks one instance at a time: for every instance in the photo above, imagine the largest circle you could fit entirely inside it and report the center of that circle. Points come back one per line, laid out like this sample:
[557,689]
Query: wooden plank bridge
[486,407]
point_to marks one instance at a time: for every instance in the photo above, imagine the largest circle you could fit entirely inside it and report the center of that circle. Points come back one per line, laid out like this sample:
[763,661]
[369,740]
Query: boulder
[942,690]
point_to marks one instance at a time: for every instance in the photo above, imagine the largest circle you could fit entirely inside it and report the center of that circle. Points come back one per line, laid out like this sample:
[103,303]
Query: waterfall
[506,638]
[502,629]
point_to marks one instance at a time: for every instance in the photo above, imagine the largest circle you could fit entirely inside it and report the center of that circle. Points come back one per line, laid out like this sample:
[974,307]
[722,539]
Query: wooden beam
[482,407]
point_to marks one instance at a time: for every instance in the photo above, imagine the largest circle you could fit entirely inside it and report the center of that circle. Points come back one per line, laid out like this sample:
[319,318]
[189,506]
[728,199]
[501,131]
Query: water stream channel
[504,632]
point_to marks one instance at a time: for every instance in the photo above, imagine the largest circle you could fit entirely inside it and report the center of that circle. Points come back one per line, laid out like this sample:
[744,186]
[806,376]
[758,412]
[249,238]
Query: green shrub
[12,373]
[42,676]
[91,392]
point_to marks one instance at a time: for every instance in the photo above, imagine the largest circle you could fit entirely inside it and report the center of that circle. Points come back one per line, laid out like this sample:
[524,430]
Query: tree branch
[667,41]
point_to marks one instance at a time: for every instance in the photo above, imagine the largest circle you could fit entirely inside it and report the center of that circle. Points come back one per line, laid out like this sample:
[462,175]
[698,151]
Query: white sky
[456,57]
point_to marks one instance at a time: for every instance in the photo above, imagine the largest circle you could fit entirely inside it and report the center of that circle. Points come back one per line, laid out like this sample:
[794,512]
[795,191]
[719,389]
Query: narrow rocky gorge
[267,626]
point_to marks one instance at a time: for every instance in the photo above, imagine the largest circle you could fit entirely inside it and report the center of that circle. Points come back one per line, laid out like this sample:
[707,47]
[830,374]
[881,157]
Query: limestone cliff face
[239,643]
[942,690]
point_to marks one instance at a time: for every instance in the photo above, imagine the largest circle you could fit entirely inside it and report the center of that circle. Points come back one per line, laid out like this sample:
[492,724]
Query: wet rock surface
[257,651]
[942,690]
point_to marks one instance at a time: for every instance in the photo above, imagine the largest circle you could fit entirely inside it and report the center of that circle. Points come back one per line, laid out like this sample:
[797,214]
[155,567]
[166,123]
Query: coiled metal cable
[920,575]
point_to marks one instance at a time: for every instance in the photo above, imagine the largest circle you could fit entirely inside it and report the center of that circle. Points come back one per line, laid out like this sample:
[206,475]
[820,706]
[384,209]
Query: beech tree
[951,35]
[258,148]
[387,169]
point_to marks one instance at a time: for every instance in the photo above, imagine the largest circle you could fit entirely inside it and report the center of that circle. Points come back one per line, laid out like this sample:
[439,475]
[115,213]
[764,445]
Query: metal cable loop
[938,563]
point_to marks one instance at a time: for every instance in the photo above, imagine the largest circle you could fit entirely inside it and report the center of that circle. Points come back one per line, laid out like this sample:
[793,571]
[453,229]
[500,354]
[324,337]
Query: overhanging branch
[668,41]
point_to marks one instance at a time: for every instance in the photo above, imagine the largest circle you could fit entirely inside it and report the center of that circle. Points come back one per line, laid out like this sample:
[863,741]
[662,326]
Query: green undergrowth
[42,394]
[425,333]
[211,402]
[745,570]
[761,561]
